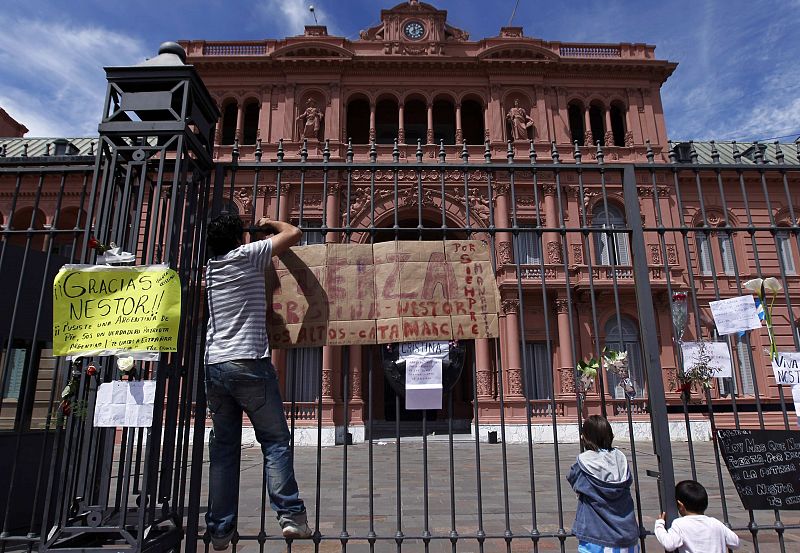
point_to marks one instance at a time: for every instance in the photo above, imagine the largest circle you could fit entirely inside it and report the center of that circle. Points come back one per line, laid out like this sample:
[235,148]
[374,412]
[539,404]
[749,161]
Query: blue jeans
[250,386]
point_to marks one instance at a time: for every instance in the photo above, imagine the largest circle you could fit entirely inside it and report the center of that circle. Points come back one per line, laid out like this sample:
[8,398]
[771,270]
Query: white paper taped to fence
[796,398]
[128,404]
[735,315]
[423,383]
[786,368]
[719,352]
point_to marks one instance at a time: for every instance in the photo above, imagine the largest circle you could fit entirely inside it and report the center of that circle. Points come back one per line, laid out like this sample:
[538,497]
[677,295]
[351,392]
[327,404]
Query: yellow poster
[103,310]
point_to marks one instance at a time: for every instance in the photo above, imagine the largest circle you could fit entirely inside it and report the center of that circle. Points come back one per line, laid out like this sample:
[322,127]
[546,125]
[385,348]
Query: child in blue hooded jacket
[604,521]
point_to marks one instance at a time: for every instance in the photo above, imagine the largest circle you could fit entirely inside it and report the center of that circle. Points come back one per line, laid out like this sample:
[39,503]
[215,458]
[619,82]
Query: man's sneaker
[222,542]
[295,530]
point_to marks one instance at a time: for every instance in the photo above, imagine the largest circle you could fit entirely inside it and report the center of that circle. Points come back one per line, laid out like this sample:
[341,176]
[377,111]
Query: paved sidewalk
[497,504]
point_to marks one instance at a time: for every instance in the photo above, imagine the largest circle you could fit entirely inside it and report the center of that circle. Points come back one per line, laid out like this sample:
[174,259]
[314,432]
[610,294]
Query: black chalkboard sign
[764,466]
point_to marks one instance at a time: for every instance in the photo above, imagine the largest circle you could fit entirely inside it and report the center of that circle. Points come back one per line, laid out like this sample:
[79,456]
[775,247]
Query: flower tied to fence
[615,362]
[700,372]
[761,287]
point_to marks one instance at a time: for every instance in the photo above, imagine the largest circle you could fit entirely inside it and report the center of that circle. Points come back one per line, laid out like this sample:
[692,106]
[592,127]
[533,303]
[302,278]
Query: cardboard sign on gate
[402,291]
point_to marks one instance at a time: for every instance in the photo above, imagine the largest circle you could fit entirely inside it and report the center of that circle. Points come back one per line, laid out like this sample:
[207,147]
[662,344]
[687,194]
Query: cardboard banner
[405,291]
[104,310]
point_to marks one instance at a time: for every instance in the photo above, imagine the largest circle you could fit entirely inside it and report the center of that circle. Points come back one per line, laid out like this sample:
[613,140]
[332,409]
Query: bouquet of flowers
[701,372]
[587,372]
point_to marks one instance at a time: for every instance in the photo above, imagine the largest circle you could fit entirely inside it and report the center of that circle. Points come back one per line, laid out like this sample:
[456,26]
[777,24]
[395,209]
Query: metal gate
[587,254]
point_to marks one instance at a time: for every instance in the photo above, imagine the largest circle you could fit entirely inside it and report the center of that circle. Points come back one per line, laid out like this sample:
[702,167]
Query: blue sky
[737,76]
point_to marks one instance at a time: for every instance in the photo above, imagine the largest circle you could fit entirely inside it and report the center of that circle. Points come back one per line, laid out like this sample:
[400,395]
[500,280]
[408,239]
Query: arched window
[472,125]
[597,123]
[250,130]
[611,248]
[716,251]
[357,126]
[229,113]
[444,122]
[386,121]
[415,121]
[575,113]
[622,334]
[25,218]
[618,124]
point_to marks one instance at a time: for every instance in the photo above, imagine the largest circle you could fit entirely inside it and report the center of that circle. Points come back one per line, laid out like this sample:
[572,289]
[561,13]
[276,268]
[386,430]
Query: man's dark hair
[597,433]
[224,234]
[693,496]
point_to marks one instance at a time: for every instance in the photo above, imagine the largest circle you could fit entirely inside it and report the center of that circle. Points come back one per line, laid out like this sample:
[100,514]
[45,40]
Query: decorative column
[372,133]
[401,127]
[504,244]
[552,241]
[333,112]
[279,355]
[239,120]
[513,365]
[331,355]
[609,137]
[543,126]
[587,128]
[356,401]
[566,367]
[459,132]
[483,368]
[264,113]
[430,124]
[628,131]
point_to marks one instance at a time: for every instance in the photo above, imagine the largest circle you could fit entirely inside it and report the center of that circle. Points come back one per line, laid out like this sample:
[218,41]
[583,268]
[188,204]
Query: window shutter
[601,247]
[623,249]
[727,253]
[704,253]
[745,368]
[785,251]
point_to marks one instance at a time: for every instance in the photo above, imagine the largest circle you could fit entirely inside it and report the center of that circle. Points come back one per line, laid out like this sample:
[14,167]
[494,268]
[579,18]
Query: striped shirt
[237,304]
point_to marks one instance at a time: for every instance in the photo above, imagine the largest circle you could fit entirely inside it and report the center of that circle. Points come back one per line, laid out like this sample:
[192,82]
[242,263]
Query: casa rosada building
[416,80]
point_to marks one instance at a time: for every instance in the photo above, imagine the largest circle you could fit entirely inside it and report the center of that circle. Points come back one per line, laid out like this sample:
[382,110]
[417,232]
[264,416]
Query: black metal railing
[586,255]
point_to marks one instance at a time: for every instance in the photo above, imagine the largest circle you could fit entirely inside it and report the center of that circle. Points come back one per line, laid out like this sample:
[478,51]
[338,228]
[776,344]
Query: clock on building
[414,30]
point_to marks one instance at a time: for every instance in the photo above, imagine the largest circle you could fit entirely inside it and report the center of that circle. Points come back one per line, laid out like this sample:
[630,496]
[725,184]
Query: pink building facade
[419,81]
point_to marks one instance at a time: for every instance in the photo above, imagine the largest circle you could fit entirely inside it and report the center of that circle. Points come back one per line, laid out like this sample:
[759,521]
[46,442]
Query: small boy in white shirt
[694,532]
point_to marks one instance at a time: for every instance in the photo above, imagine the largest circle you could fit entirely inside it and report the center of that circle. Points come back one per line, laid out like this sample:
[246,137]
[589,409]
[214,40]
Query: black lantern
[394,367]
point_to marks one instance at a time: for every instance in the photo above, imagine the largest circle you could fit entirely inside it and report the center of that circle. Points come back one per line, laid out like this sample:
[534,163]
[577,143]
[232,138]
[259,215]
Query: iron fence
[587,255]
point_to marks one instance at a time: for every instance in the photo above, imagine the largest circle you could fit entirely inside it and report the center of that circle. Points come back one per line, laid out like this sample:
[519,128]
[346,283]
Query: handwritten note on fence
[735,315]
[763,465]
[719,357]
[102,310]
[786,368]
[402,291]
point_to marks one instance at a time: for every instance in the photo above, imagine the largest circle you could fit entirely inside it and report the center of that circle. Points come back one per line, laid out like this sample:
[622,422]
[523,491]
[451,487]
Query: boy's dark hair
[597,433]
[224,233]
[693,496]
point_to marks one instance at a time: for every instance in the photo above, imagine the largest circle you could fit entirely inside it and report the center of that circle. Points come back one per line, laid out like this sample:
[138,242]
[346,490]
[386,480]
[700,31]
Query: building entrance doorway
[389,406]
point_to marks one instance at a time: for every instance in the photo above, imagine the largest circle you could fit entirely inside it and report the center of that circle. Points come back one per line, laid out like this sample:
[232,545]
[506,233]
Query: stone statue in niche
[310,121]
[519,121]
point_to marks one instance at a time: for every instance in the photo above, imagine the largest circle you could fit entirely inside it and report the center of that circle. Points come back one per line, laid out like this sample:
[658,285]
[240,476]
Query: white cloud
[294,15]
[51,73]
